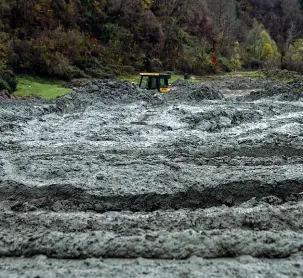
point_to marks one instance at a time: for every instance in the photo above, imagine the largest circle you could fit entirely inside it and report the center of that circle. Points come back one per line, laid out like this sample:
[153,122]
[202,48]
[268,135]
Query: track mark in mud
[70,198]
[267,214]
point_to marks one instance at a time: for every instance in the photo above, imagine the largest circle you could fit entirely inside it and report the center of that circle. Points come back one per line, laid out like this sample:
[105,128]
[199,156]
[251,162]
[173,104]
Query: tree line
[98,38]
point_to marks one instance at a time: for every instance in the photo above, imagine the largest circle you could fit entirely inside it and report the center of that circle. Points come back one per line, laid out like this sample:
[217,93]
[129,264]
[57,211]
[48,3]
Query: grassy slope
[44,88]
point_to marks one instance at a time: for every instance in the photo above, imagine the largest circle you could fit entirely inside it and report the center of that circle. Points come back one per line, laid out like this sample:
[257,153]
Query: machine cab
[155,81]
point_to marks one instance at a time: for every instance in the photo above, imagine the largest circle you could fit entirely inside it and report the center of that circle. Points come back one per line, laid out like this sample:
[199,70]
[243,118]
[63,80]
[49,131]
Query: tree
[224,15]
[294,56]
[269,50]
[235,59]
[5,50]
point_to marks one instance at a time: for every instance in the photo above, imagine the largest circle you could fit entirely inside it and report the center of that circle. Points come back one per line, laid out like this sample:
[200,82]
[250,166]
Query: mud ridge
[267,214]
[70,198]
[154,245]
[285,92]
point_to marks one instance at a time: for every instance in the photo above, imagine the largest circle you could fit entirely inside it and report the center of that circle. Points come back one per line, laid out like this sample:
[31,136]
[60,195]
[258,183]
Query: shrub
[127,69]
[4,85]
[207,66]
[225,64]
[8,81]
[294,56]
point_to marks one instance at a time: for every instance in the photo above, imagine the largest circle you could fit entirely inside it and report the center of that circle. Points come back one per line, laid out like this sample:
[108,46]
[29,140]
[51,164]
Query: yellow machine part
[165,90]
[149,74]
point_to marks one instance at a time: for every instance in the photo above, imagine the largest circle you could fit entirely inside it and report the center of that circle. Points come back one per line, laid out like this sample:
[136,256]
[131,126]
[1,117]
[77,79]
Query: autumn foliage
[90,38]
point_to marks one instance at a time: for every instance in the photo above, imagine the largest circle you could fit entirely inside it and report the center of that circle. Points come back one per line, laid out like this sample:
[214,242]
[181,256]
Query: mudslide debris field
[135,183]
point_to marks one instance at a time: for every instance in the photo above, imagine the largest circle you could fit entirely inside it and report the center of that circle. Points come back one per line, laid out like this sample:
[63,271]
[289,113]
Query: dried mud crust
[116,172]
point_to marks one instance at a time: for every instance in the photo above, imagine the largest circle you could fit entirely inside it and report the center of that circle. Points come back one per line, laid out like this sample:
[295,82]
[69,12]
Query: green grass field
[47,89]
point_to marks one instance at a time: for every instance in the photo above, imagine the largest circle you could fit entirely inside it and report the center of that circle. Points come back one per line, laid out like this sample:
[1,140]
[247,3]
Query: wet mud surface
[118,181]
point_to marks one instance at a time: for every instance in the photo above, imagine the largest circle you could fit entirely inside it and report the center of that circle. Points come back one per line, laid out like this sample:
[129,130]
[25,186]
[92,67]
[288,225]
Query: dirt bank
[111,171]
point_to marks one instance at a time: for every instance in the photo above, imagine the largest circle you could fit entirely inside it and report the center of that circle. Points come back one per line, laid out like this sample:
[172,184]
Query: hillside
[86,38]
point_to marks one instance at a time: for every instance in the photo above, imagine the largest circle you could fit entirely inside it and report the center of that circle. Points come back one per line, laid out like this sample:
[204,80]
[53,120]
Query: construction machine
[155,81]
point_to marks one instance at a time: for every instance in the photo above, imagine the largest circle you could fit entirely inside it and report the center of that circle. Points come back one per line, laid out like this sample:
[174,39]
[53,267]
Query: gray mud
[185,91]
[283,92]
[131,182]
[243,266]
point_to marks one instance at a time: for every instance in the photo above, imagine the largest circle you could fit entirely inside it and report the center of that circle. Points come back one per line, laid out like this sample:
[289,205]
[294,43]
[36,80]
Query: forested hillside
[77,38]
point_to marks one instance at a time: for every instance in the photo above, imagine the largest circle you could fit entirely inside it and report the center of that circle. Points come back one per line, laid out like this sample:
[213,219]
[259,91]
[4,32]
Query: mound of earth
[113,91]
[248,83]
[104,91]
[6,95]
[196,92]
[281,74]
[180,82]
[76,83]
[285,92]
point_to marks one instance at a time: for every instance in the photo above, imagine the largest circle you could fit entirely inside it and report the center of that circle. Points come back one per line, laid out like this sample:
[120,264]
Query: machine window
[144,83]
[153,83]
[163,83]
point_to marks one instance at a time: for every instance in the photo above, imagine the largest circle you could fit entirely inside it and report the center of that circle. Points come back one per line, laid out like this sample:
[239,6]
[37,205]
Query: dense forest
[80,38]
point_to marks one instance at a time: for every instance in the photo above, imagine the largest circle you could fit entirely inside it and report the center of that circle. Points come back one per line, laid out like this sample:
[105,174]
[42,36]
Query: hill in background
[86,38]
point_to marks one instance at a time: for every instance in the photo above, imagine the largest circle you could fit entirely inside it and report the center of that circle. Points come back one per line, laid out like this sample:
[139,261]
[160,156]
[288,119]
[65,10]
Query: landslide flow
[284,92]
[116,172]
